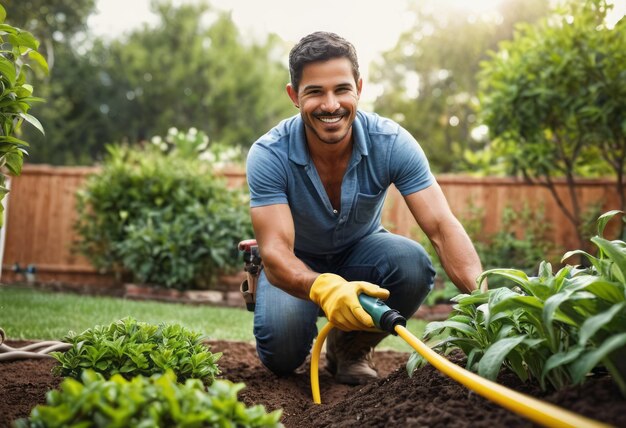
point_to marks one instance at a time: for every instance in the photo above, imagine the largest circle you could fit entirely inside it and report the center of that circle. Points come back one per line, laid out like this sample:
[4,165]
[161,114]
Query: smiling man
[317,183]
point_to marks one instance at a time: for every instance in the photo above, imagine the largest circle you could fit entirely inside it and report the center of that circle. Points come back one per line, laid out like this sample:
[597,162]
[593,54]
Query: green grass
[31,314]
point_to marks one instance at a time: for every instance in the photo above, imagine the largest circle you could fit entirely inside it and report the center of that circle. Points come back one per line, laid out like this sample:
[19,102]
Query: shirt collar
[298,152]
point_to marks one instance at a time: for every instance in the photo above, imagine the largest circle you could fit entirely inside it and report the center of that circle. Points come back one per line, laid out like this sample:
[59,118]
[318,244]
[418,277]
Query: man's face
[327,97]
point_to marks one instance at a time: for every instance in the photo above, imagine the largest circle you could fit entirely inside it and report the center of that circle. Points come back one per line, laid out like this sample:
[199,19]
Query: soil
[427,399]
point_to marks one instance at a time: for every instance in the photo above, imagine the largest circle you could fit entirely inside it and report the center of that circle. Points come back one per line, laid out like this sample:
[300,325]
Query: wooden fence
[41,213]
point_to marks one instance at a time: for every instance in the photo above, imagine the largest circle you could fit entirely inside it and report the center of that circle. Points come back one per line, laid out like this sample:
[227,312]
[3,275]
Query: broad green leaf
[473,299]
[604,219]
[473,357]
[437,327]
[33,121]
[609,291]
[597,322]
[594,261]
[527,303]
[14,161]
[589,360]
[24,38]
[611,250]
[7,69]
[516,363]
[491,362]
[416,361]
[3,14]
[39,60]
[561,358]
[517,276]
[545,271]
[550,312]
[7,29]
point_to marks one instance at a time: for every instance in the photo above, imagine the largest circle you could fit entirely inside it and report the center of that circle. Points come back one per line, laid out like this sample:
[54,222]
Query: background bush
[163,214]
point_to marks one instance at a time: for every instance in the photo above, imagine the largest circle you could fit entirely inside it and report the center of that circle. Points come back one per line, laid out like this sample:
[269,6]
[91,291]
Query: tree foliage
[18,50]
[191,69]
[553,99]
[429,77]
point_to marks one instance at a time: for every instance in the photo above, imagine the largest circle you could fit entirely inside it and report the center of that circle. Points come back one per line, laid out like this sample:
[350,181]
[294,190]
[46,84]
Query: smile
[330,119]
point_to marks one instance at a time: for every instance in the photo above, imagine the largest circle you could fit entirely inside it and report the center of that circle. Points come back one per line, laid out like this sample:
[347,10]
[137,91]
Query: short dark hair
[320,46]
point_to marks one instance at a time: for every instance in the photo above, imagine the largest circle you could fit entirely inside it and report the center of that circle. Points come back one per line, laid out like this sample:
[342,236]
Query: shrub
[164,216]
[130,348]
[157,401]
[555,328]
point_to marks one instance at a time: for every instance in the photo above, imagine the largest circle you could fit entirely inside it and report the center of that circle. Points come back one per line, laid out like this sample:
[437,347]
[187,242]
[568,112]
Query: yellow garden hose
[315,360]
[536,410]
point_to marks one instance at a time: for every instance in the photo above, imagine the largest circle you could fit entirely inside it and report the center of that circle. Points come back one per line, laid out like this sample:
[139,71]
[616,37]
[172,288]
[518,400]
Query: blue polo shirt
[280,171]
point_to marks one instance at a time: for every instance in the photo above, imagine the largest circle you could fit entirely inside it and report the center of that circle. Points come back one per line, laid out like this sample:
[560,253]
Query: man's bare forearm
[458,257]
[285,271]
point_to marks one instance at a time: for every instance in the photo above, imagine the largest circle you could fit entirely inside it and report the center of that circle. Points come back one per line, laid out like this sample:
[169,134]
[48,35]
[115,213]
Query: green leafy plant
[166,217]
[555,327]
[130,348]
[158,401]
[17,47]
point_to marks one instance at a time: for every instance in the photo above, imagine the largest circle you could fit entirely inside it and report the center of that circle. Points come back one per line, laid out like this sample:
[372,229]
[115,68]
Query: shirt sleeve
[267,179]
[408,165]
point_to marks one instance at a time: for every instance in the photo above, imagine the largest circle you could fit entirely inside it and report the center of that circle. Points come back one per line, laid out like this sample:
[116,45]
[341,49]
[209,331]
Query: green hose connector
[385,318]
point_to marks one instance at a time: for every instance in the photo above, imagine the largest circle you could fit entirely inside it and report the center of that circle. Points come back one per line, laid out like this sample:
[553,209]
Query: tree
[553,98]
[191,69]
[182,73]
[18,50]
[68,117]
[52,22]
[429,77]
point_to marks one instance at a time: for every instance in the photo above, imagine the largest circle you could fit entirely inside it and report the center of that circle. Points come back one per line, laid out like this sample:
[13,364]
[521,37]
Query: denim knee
[411,277]
[283,348]
[284,327]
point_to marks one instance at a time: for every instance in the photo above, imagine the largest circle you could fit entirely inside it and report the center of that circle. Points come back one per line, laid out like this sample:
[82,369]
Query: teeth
[330,119]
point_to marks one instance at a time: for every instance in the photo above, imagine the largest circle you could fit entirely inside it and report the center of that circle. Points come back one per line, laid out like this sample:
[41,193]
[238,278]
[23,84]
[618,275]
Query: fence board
[41,213]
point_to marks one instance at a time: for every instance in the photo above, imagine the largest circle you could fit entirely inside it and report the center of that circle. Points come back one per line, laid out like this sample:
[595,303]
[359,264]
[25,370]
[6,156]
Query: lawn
[34,314]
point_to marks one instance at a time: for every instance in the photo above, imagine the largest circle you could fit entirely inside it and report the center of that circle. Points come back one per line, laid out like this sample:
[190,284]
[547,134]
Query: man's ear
[293,94]
[359,87]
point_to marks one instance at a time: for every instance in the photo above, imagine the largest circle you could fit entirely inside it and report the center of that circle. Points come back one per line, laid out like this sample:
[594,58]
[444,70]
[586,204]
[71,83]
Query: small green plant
[16,95]
[555,328]
[162,215]
[158,401]
[130,348]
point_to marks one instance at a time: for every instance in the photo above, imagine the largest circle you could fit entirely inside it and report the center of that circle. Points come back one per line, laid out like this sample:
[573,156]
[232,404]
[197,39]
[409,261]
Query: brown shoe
[349,356]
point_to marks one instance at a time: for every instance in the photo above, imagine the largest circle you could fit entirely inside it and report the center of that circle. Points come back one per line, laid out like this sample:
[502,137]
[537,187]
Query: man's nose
[330,103]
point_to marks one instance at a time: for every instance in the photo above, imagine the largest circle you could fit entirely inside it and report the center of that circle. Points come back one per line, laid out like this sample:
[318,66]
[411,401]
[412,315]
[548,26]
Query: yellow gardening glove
[340,302]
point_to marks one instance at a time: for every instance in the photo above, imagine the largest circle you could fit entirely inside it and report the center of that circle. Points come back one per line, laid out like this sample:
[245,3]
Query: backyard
[121,240]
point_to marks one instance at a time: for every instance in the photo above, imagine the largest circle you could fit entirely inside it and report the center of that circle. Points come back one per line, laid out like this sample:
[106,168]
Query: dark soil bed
[428,399]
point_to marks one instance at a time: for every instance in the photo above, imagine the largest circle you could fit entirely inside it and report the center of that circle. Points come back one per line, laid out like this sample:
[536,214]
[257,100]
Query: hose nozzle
[384,317]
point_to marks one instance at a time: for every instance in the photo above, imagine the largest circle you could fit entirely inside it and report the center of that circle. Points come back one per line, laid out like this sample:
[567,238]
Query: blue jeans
[285,326]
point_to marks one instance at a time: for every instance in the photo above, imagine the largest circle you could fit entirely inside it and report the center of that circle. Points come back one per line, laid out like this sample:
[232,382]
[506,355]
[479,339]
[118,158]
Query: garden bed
[426,399]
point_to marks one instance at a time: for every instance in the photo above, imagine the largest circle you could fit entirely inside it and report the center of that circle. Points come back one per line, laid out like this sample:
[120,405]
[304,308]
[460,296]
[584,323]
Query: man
[318,182]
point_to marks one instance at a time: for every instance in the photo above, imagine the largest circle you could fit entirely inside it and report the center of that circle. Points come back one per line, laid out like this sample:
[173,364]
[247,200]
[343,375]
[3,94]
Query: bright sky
[372,27]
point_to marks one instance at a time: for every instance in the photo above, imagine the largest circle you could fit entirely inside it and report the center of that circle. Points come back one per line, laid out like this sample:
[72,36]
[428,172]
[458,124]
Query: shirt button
[335,212]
